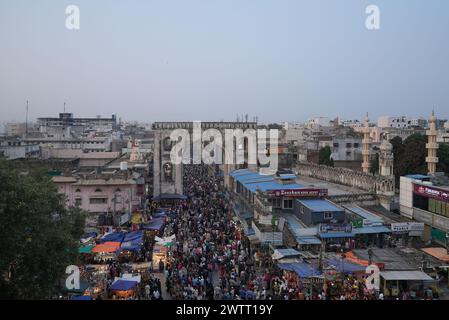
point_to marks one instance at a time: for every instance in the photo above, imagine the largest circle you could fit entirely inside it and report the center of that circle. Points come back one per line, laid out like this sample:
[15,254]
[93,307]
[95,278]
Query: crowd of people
[210,260]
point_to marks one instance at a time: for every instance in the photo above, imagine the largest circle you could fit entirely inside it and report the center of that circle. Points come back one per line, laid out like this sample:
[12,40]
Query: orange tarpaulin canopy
[106,247]
[439,253]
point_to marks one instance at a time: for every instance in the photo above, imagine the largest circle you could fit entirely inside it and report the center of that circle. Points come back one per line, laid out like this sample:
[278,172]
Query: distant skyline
[178,60]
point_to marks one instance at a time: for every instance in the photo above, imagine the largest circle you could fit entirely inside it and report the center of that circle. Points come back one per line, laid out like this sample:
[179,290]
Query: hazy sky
[282,60]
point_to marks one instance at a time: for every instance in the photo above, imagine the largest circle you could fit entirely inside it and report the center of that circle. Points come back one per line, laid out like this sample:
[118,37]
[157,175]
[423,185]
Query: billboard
[431,192]
[298,193]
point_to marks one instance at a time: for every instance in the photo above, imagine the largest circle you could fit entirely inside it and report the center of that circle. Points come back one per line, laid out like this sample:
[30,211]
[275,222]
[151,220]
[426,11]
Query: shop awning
[302,269]
[405,275]
[372,230]
[303,240]
[330,235]
[86,249]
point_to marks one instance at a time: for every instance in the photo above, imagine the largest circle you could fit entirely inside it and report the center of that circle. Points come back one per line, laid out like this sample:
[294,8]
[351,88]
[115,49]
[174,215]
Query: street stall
[159,254]
[415,282]
[302,275]
[123,289]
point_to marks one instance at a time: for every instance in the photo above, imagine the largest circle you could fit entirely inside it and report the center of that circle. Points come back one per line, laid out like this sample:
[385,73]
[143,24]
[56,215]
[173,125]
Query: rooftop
[320,205]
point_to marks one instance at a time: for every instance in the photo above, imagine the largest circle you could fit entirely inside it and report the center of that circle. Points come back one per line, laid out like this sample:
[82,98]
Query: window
[118,190]
[98,190]
[288,203]
[77,190]
[98,200]
[78,202]
[301,209]
[356,145]
[328,215]
[277,203]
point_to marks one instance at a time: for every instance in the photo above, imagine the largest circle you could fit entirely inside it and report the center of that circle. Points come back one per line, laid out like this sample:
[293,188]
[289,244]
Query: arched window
[118,190]
[98,190]
[78,190]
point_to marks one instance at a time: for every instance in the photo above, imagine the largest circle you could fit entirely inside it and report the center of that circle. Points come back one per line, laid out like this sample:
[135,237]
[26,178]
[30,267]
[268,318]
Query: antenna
[64,107]
[26,121]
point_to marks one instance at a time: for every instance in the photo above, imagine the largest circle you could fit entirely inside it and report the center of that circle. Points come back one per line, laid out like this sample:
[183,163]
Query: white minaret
[432,145]
[386,159]
[365,146]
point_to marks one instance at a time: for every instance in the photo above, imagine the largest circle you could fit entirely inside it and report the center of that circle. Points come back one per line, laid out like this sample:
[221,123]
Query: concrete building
[14,149]
[15,129]
[401,122]
[99,195]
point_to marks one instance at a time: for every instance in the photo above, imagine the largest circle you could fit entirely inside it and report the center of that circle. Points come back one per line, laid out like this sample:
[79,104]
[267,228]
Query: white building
[401,122]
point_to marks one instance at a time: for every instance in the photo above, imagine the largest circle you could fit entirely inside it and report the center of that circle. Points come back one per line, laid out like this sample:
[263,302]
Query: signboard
[357,223]
[431,192]
[414,229]
[335,228]
[298,193]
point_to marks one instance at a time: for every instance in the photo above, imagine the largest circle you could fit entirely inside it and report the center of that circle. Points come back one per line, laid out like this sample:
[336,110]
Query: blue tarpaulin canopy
[113,237]
[132,241]
[123,285]
[154,224]
[302,269]
[81,298]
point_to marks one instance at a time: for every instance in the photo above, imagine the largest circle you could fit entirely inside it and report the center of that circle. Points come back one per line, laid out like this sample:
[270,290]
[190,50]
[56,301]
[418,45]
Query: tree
[39,236]
[443,158]
[374,168]
[324,156]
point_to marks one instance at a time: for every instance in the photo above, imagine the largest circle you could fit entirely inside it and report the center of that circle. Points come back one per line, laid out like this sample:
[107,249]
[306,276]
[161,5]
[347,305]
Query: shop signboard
[431,192]
[335,228]
[298,193]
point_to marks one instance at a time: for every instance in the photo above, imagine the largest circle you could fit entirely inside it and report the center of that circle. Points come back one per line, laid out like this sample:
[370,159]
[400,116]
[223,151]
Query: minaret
[365,147]
[386,159]
[432,145]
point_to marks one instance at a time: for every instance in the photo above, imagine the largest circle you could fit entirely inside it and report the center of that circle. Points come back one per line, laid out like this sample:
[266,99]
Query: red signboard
[431,192]
[298,193]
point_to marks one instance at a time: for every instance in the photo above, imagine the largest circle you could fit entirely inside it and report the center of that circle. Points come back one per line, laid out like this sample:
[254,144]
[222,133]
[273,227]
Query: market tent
[123,285]
[113,237]
[129,277]
[302,269]
[155,224]
[107,247]
[86,249]
[405,275]
[345,266]
[81,298]
[133,236]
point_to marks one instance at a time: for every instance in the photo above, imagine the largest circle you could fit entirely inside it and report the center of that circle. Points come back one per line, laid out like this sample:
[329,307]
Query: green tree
[324,156]
[443,158]
[39,236]
[374,168]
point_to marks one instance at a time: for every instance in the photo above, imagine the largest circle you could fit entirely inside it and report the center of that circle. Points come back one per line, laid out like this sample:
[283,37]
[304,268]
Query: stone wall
[347,177]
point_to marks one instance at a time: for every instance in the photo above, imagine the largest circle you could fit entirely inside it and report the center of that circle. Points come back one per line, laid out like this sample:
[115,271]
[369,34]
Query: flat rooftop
[320,205]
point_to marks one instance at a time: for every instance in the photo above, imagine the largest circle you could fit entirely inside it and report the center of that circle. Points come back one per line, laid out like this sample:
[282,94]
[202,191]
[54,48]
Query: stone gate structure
[168,176]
